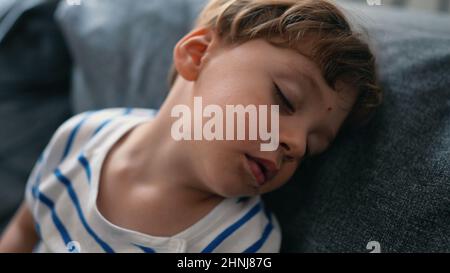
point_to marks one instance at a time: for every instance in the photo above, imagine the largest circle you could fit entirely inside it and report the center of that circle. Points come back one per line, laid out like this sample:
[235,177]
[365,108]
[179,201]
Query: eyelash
[284,99]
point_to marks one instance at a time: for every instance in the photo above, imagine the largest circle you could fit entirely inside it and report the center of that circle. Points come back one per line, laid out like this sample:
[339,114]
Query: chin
[233,186]
[229,178]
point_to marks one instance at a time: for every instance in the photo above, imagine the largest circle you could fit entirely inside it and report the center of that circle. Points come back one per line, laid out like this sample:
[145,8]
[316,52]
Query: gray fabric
[34,97]
[429,5]
[123,51]
[5,7]
[11,10]
[401,19]
[389,183]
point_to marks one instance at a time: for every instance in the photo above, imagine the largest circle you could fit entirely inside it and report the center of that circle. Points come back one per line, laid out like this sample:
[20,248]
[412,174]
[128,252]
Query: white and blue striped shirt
[62,191]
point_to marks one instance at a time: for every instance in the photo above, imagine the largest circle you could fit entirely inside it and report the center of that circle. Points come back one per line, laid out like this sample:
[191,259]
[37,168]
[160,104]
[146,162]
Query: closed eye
[283,99]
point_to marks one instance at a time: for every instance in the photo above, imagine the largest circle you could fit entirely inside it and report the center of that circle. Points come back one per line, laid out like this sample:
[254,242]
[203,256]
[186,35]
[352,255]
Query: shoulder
[79,129]
[71,137]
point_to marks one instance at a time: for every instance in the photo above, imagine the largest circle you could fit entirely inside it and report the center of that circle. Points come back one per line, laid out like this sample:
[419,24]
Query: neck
[162,163]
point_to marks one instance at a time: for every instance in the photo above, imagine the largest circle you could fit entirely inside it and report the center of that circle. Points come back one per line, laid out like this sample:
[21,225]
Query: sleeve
[68,140]
[51,156]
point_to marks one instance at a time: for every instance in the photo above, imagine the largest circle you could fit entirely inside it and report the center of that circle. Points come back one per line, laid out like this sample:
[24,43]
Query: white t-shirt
[62,192]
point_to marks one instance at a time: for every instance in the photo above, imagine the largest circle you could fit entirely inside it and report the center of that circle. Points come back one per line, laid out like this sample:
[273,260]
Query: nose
[293,144]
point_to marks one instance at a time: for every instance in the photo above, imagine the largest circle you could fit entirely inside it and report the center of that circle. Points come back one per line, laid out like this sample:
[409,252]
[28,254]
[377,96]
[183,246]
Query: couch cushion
[123,51]
[388,183]
[34,96]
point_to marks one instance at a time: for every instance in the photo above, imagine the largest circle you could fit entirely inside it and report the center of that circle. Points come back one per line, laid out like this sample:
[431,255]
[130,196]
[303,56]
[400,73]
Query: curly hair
[339,51]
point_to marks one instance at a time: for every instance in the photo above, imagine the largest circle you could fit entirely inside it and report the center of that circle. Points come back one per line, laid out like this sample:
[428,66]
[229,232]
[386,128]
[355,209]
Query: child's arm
[20,234]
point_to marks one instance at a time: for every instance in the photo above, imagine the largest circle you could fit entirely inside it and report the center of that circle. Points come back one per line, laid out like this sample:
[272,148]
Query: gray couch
[35,67]
[388,183]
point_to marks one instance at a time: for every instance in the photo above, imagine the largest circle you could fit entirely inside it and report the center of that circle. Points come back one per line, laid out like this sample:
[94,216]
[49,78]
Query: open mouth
[258,170]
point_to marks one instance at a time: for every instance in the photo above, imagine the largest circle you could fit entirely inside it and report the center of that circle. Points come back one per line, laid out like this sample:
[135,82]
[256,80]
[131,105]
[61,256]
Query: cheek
[233,86]
[221,161]
[230,177]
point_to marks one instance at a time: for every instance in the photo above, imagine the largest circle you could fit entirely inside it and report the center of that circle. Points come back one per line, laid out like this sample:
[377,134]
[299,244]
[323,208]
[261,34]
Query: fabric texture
[34,92]
[123,50]
[388,183]
[63,187]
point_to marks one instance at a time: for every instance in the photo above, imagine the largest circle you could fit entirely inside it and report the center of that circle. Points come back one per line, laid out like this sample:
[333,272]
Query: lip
[262,169]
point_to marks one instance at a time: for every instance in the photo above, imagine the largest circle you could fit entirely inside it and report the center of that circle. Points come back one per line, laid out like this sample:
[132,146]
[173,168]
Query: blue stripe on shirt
[103,124]
[85,163]
[73,134]
[228,231]
[33,186]
[37,227]
[59,225]
[65,181]
[107,121]
[267,230]
[82,159]
[145,249]
[127,110]
[50,204]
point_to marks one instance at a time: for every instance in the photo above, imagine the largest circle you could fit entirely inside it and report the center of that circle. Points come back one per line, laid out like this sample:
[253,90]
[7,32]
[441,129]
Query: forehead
[270,56]
[295,64]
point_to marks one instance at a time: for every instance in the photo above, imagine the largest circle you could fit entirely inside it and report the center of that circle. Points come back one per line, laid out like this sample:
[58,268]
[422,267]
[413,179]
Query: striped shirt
[62,190]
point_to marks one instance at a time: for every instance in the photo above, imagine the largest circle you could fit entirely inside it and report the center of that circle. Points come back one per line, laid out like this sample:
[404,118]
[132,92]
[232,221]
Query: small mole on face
[329,108]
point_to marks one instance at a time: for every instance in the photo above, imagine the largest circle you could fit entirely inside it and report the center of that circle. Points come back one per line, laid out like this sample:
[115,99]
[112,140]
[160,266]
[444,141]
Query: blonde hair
[338,50]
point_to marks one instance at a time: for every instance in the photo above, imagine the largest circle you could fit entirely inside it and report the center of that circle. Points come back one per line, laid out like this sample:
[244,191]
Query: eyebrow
[305,76]
[303,79]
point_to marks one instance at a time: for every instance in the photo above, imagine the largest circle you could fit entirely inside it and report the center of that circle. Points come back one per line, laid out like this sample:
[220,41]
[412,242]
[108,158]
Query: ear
[190,51]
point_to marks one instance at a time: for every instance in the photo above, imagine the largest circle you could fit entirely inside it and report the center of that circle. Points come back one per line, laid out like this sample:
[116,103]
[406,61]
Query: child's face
[246,75]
